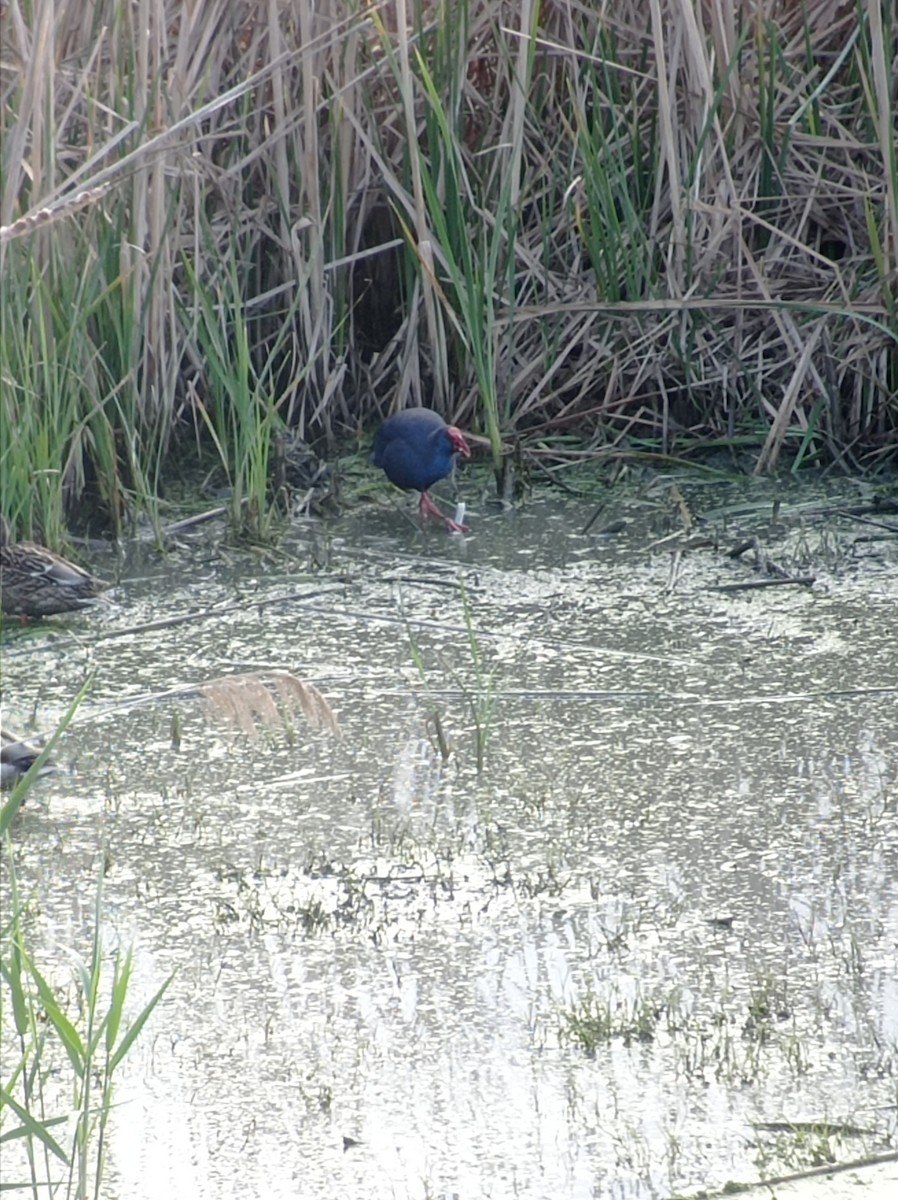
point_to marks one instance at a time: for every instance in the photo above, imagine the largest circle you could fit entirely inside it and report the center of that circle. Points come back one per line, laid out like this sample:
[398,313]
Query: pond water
[634,933]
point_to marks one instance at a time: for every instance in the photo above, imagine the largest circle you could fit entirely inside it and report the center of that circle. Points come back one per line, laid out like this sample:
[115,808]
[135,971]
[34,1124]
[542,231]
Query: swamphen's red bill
[415,448]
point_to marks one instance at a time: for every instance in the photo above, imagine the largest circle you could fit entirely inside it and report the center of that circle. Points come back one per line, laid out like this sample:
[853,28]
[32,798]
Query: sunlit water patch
[659,927]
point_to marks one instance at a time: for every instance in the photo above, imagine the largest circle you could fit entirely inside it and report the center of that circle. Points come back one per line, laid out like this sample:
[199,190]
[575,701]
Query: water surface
[685,825]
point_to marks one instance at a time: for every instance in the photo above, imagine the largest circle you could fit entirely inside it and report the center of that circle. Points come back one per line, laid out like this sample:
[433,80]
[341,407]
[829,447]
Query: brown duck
[34,582]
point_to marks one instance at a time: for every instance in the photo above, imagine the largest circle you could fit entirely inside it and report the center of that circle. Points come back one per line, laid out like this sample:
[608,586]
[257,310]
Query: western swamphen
[415,448]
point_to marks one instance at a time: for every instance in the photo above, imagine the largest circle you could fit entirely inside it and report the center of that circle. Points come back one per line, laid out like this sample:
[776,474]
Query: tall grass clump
[234,409]
[63,1046]
[637,223]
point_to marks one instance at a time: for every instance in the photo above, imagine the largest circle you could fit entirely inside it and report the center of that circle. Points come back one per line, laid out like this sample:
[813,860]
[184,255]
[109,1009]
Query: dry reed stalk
[267,699]
[66,207]
[884,68]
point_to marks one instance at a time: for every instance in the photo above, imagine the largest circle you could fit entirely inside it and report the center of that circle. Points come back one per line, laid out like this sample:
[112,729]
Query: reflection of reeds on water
[267,699]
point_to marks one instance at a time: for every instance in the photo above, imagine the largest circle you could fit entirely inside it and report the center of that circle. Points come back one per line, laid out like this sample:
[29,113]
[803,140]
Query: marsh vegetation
[579,230]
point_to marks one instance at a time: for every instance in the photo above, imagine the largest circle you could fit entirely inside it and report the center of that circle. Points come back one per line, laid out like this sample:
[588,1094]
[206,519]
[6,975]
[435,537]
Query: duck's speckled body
[35,582]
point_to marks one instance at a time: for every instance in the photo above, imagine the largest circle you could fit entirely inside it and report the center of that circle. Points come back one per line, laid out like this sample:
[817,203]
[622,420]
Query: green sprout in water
[482,697]
[593,1021]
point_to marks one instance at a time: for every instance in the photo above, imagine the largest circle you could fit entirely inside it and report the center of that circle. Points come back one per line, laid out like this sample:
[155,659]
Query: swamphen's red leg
[427,508]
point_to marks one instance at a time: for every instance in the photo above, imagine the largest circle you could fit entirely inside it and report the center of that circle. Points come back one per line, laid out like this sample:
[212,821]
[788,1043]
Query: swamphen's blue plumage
[415,448]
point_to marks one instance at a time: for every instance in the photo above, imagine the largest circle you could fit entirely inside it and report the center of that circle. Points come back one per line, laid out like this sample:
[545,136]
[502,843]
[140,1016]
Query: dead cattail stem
[43,217]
